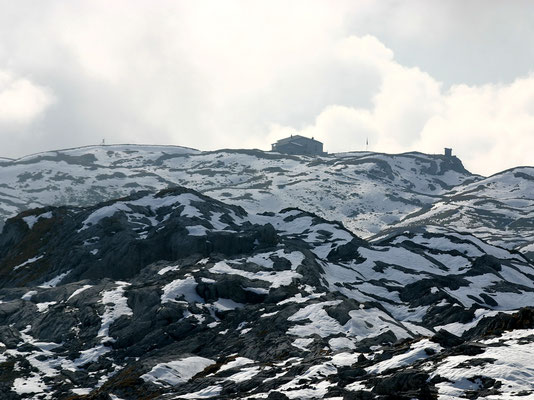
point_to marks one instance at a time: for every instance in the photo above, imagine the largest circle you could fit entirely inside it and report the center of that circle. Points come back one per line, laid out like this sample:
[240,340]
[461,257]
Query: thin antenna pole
[367,144]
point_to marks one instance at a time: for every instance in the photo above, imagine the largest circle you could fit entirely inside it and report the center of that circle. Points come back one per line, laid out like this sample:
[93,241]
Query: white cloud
[21,101]
[211,74]
[491,127]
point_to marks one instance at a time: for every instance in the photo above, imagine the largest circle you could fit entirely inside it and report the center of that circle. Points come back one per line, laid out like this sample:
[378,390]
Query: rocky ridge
[499,209]
[365,191]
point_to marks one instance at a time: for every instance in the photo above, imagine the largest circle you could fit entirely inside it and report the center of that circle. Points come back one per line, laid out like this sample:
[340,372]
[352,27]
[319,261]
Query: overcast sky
[409,75]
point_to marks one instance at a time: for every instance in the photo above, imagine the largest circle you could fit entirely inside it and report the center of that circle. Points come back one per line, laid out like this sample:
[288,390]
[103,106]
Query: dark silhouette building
[448,152]
[298,145]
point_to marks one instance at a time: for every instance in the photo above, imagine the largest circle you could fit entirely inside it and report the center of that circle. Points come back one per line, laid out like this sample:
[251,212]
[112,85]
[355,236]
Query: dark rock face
[277,396]
[176,295]
[405,384]
[446,339]
[88,251]
[347,252]
[523,319]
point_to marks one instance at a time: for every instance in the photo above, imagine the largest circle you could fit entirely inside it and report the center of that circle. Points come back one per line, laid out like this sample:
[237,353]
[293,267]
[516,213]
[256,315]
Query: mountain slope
[499,209]
[366,191]
[177,295]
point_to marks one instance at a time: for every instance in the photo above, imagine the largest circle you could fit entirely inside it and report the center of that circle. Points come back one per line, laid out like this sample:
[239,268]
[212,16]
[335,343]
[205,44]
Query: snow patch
[78,291]
[55,281]
[177,372]
[29,261]
[416,352]
[28,296]
[238,362]
[116,305]
[181,287]
[31,220]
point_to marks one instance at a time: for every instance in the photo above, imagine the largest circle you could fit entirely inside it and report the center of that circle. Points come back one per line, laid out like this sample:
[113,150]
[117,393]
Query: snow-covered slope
[499,209]
[366,191]
[79,176]
[177,295]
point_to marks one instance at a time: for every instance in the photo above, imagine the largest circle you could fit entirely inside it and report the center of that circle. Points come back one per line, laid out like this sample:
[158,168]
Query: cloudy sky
[409,75]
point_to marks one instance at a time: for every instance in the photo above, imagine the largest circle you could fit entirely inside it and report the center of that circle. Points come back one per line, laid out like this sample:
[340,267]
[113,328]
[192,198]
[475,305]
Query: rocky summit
[165,292]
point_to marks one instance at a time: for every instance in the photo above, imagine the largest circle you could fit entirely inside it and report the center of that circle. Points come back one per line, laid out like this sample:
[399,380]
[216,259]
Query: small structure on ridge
[297,144]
